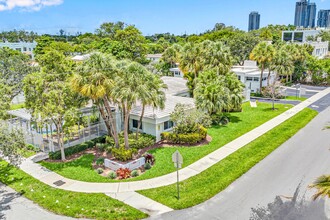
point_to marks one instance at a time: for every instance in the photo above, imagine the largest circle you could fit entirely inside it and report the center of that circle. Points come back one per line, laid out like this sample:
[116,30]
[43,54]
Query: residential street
[16,207]
[303,158]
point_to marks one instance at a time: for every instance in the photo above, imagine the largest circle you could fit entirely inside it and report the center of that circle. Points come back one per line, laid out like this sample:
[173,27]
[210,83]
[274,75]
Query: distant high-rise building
[254,21]
[305,14]
[323,18]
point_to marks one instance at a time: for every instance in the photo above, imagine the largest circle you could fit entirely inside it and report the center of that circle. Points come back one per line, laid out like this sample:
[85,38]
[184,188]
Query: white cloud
[32,5]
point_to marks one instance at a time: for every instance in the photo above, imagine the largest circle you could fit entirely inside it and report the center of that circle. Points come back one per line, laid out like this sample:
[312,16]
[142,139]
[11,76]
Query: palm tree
[216,56]
[191,59]
[262,53]
[94,79]
[129,90]
[322,184]
[155,96]
[172,54]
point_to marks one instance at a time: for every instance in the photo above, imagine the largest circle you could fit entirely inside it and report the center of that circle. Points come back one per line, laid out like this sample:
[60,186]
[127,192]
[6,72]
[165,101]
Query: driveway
[302,158]
[16,207]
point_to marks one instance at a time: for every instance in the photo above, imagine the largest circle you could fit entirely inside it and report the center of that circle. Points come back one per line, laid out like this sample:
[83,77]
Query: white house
[24,47]
[301,36]
[249,74]
[156,121]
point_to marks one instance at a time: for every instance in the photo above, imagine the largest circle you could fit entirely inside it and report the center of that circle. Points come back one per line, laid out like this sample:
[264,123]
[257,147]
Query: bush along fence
[190,138]
[76,149]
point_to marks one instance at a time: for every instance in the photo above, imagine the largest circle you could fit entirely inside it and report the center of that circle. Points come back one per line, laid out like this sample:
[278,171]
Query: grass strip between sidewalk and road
[73,204]
[205,185]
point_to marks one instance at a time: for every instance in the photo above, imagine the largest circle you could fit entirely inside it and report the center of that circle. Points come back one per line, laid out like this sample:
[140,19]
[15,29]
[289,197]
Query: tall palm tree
[322,184]
[172,54]
[191,59]
[262,53]
[94,79]
[129,89]
[155,96]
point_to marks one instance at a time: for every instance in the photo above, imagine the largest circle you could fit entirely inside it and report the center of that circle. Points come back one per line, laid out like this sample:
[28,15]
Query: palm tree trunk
[60,140]
[112,122]
[261,75]
[287,78]
[140,122]
[106,121]
[126,125]
[268,78]
[290,77]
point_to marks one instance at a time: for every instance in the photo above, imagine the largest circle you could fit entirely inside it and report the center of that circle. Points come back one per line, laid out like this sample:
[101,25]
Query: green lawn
[295,98]
[205,185]
[241,123]
[17,106]
[73,204]
[27,153]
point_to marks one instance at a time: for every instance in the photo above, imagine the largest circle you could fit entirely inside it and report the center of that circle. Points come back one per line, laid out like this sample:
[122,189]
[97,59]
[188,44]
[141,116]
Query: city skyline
[254,21]
[49,16]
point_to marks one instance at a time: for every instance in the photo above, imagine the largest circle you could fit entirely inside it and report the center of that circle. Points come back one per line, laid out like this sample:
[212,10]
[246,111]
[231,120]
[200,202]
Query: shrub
[147,166]
[144,140]
[134,173]
[189,138]
[112,175]
[123,154]
[100,161]
[76,149]
[99,170]
[123,173]
[30,147]
[149,158]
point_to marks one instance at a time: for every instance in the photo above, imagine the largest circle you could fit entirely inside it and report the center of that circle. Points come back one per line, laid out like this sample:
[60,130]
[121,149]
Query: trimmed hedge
[192,138]
[76,149]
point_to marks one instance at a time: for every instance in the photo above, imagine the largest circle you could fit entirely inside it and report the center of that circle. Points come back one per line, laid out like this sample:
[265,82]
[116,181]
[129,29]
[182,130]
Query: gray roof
[176,85]
[21,113]
[171,102]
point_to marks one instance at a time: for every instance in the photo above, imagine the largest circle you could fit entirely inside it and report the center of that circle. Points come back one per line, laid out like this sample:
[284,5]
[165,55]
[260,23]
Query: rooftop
[176,85]
[157,55]
[171,102]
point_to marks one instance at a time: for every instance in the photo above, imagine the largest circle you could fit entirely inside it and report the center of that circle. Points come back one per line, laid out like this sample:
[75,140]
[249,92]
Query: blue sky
[150,16]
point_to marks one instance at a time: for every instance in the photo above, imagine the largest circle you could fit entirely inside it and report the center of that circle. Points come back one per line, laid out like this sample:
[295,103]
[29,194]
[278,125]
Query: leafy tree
[5,99]
[262,53]
[172,55]
[43,41]
[109,29]
[12,142]
[241,45]
[187,119]
[14,66]
[322,185]
[48,94]
[217,92]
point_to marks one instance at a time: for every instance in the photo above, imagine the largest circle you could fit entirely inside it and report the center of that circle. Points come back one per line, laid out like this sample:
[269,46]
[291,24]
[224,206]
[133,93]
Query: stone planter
[113,165]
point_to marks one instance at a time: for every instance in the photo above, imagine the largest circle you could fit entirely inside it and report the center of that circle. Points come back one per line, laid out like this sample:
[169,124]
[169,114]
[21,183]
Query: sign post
[177,160]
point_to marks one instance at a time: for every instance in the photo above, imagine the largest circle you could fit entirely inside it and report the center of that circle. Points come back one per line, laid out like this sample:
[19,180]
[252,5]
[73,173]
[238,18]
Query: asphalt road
[302,158]
[16,207]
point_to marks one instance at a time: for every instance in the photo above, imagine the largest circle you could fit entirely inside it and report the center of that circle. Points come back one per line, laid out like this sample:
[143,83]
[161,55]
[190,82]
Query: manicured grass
[205,185]
[295,98]
[27,153]
[241,123]
[73,204]
[17,106]
[79,169]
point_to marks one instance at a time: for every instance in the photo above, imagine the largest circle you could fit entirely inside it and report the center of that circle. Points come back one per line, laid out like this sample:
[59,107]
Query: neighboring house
[154,58]
[249,74]
[177,71]
[301,36]
[24,47]
[156,121]
[80,58]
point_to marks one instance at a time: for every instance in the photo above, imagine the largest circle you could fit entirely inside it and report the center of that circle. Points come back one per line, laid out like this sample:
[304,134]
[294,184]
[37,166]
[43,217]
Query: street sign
[302,92]
[177,160]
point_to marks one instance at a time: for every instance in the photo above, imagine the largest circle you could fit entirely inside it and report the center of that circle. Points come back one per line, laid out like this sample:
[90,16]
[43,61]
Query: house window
[168,125]
[136,124]
[239,77]
[248,78]
[256,79]
[177,73]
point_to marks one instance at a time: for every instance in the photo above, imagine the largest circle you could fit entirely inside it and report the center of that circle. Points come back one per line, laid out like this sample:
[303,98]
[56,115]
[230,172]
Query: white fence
[132,165]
